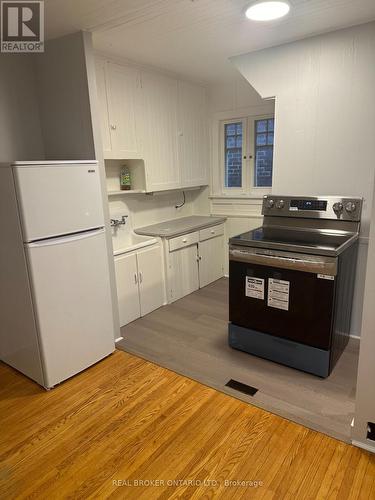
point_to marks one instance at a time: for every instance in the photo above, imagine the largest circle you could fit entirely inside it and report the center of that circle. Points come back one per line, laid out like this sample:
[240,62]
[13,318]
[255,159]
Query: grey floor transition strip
[190,338]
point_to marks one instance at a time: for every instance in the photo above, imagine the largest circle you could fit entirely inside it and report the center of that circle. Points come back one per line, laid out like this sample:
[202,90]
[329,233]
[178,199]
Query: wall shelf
[137,175]
[122,192]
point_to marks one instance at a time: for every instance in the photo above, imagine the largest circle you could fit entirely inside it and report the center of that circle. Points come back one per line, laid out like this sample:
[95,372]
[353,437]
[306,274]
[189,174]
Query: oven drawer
[286,303]
[211,232]
[183,241]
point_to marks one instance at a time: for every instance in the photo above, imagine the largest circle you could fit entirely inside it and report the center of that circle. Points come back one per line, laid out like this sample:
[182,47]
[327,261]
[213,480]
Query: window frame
[254,146]
[232,190]
[248,157]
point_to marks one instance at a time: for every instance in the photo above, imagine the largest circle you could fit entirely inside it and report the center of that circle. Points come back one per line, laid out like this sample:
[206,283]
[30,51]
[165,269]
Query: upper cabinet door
[123,87]
[103,105]
[193,137]
[160,132]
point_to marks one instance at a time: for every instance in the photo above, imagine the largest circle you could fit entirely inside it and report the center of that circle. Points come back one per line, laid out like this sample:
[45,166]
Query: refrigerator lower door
[58,199]
[72,301]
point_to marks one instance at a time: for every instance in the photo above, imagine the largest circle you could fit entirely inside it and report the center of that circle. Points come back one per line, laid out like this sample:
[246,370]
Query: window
[233,154]
[246,146]
[263,152]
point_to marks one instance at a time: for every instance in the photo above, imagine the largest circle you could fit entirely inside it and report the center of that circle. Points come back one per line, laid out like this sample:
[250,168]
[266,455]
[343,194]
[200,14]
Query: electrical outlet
[371,431]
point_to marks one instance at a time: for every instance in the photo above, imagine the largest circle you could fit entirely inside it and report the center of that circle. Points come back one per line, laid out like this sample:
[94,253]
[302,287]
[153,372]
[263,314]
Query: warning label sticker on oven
[278,294]
[254,287]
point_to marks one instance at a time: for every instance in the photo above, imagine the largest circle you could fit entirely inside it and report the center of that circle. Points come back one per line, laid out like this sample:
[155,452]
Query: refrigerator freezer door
[72,300]
[58,199]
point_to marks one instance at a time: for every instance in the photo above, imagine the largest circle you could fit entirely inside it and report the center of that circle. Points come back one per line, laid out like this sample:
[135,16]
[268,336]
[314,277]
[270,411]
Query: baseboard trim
[364,446]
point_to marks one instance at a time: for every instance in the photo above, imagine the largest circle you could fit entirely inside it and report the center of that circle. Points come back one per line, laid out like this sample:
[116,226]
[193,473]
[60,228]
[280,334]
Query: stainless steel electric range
[291,281]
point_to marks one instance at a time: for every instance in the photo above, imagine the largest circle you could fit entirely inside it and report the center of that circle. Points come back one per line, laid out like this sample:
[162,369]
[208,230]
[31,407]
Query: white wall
[20,129]
[232,99]
[88,63]
[64,99]
[147,209]
[232,95]
[365,397]
[324,119]
[48,103]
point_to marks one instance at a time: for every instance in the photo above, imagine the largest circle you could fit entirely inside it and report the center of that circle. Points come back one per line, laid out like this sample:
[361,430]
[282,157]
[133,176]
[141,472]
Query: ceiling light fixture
[267,10]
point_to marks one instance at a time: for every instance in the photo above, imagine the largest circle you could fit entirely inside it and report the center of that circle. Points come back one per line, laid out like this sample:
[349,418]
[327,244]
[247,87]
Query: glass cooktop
[293,240]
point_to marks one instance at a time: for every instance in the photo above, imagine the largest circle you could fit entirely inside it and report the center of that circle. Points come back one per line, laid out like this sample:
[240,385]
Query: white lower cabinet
[127,288]
[151,285]
[182,272]
[211,260]
[194,260]
[140,288]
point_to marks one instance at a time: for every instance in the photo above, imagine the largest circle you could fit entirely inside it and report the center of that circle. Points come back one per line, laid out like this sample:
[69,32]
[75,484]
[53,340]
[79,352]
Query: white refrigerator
[55,296]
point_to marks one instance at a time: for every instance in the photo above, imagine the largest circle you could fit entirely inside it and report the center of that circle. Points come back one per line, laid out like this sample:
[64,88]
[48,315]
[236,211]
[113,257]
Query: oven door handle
[297,262]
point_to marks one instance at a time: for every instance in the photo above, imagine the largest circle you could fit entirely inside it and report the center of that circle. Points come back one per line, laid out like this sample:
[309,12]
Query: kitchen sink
[131,242]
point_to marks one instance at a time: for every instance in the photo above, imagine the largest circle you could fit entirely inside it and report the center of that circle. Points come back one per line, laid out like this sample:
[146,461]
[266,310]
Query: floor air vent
[239,386]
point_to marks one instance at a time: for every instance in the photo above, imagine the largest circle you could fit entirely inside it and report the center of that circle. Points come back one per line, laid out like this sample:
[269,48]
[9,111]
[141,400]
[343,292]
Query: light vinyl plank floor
[190,337]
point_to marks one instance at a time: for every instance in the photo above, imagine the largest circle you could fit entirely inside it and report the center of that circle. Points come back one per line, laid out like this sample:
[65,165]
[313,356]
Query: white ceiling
[194,38]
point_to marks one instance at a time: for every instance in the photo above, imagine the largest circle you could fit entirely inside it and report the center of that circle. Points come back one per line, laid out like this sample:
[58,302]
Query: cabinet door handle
[135,278]
[140,277]
[113,127]
[212,231]
[184,240]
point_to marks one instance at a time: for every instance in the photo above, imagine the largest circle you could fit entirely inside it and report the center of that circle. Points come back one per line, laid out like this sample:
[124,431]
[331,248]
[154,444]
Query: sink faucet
[119,221]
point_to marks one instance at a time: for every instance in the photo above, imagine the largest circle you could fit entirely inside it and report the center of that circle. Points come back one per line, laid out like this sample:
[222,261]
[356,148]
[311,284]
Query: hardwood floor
[126,419]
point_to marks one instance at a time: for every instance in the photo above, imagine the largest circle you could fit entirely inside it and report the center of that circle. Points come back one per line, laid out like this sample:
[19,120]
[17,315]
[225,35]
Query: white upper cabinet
[119,98]
[193,134]
[123,103]
[147,115]
[159,131]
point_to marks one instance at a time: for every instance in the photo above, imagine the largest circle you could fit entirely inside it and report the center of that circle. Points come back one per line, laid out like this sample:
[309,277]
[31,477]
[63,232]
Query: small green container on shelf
[125,178]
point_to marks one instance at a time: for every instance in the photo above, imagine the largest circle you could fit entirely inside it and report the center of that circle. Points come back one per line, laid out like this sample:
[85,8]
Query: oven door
[288,295]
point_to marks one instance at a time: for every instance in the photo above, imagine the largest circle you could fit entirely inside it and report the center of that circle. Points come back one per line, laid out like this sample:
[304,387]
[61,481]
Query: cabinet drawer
[183,241]
[211,232]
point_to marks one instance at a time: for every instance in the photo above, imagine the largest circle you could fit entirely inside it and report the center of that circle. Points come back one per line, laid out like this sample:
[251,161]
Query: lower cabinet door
[151,283]
[127,288]
[211,262]
[183,272]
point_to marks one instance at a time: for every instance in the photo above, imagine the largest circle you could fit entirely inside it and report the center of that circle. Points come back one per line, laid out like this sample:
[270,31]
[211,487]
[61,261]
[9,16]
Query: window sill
[236,197]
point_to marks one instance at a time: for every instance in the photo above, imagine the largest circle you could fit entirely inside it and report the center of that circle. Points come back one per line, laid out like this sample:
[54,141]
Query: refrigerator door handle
[66,239]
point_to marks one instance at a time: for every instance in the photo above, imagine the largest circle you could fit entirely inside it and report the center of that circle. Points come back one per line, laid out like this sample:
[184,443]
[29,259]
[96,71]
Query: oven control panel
[322,207]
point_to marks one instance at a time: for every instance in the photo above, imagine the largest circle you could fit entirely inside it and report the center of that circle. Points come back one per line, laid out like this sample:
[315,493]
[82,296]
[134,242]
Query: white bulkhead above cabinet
[161,120]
